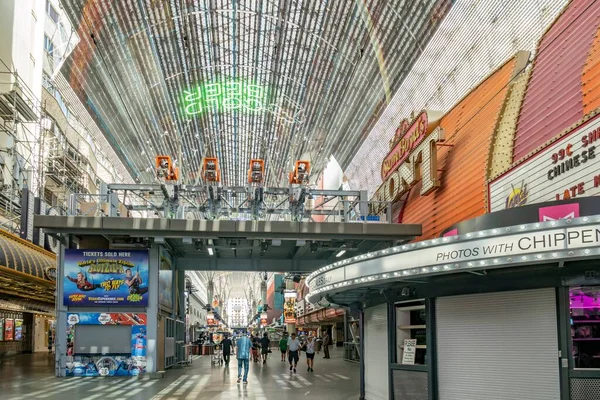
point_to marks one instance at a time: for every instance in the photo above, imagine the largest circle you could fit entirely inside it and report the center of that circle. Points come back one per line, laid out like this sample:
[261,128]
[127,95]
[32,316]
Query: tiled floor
[28,377]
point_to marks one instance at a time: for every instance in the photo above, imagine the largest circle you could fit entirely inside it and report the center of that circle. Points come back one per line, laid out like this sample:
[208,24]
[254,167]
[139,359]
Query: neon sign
[224,96]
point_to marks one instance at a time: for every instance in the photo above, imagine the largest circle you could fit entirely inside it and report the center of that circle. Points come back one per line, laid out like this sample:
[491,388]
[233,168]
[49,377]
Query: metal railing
[352,351]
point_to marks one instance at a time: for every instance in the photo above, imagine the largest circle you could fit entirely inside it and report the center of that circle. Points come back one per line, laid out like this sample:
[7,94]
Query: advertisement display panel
[108,364]
[18,329]
[165,280]
[105,277]
[289,307]
[9,326]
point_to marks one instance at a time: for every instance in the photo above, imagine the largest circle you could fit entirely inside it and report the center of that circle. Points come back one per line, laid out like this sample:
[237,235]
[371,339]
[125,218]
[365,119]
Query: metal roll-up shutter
[498,346]
[376,353]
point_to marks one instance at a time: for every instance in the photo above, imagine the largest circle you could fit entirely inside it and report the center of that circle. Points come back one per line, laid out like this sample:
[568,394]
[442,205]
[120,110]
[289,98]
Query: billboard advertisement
[105,277]
[564,170]
[165,280]
[289,307]
[9,329]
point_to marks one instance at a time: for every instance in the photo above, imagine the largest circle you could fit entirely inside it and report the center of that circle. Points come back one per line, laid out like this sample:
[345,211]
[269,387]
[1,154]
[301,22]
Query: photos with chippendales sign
[469,251]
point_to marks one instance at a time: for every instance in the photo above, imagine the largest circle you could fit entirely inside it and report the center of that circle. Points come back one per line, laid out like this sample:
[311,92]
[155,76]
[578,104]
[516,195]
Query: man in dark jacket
[226,345]
[326,343]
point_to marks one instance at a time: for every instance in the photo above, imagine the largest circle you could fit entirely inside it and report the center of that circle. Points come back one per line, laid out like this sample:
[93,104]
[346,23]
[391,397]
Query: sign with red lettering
[565,169]
[413,158]
[407,137]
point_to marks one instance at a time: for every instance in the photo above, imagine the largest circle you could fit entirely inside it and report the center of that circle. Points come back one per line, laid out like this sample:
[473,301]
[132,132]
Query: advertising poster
[1,328]
[289,307]
[165,281]
[263,319]
[106,319]
[107,365]
[138,341]
[9,333]
[18,329]
[210,319]
[105,277]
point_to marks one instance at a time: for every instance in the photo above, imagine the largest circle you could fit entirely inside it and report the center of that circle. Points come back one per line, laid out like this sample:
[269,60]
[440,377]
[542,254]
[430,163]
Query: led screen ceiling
[273,79]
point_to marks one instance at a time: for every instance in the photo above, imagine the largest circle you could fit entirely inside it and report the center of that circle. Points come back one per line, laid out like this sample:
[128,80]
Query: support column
[263,292]
[210,292]
[289,285]
[361,315]
[152,311]
[60,339]
[180,276]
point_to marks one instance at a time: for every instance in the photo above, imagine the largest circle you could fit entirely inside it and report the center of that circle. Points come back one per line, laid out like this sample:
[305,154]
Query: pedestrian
[243,357]
[283,346]
[264,344]
[309,349]
[326,343]
[293,348]
[254,349]
[226,345]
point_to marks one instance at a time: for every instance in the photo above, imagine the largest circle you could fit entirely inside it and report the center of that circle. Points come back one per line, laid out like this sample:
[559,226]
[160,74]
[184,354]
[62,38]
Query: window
[51,11]
[585,326]
[48,45]
[411,329]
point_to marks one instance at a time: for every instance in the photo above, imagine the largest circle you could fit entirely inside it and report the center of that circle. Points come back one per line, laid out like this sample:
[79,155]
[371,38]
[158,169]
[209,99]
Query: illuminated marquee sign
[223,96]
[563,170]
[413,158]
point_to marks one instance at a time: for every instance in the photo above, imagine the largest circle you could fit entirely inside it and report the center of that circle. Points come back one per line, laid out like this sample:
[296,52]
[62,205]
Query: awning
[322,315]
[26,270]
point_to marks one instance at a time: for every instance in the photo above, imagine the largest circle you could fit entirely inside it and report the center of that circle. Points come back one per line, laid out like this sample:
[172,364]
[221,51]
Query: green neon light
[224,96]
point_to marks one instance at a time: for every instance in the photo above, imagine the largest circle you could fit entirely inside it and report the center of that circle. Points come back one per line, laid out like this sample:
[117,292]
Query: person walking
[283,346]
[264,345]
[243,357]
[326,343]
[226,345]
[293,349]
[255,346]
[309,349]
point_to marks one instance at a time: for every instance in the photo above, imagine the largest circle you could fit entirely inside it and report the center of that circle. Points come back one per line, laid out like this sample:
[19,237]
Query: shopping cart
[217,357]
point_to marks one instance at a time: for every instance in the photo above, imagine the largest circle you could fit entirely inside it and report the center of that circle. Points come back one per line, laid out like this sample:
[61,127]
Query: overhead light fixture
[210,251]
[340,253]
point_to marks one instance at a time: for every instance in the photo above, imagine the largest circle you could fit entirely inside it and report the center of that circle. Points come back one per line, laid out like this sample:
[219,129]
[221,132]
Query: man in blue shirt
[243,355]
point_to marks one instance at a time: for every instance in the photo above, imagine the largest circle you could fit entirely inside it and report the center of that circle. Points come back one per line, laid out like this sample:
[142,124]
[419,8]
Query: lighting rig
[299,179]
[170,199]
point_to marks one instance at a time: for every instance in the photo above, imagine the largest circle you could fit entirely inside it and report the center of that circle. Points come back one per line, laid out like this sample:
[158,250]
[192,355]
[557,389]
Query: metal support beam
[245,264]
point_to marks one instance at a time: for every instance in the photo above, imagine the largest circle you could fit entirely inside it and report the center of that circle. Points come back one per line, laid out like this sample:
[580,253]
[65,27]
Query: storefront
[27,284]
[517,308]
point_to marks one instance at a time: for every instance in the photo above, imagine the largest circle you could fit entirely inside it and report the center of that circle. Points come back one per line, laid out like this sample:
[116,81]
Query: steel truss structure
[231,202]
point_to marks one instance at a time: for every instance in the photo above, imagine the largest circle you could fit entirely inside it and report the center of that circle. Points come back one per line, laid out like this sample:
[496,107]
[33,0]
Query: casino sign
[412,158]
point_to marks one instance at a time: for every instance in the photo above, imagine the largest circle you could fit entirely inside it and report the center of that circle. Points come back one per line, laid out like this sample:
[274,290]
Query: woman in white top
[309,348]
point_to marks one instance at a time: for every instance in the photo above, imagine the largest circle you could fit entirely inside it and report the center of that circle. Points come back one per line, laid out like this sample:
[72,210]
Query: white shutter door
[376,352]
[498,346]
